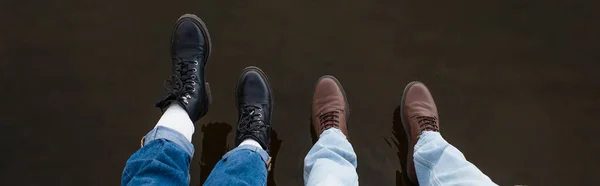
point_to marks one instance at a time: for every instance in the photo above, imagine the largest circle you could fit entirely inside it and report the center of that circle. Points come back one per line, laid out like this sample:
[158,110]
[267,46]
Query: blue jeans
[244,165]
[439,163]
[165,159]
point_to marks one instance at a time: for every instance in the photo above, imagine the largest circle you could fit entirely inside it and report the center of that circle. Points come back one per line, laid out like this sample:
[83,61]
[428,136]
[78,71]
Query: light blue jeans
[331,161]
[439,163]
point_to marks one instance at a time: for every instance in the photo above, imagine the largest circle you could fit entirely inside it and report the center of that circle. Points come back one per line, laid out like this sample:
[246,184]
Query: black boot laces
[181,84]
[329,119]
[428,123]
[251,119]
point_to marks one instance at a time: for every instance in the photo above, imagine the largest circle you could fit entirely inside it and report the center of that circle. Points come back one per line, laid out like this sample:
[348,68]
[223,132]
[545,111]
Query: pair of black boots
[190,49]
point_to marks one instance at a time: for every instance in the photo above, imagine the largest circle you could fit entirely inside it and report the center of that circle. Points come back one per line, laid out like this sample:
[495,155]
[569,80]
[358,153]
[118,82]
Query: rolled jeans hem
[161,132]
[264,155]
[428,136]
[331,161]
[439,163]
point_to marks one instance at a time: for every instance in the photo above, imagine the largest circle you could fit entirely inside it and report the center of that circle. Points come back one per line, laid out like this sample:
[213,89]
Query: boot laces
[329,119]
[251,119]
[428,123]
[181,84]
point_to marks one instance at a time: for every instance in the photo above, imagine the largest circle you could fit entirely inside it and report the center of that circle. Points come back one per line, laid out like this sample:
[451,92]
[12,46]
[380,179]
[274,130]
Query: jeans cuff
[426,137]
[264,155]
[332,131]
[162,132]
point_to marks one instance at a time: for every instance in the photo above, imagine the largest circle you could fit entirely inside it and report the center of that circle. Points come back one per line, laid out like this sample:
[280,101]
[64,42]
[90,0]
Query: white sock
[176,118]
[250,142]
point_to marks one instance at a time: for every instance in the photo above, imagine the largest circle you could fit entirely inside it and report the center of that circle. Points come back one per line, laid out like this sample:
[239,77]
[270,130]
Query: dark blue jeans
[165,160]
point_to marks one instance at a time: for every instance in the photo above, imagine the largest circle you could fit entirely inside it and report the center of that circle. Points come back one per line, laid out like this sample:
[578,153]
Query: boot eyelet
[195,70]
[195,62]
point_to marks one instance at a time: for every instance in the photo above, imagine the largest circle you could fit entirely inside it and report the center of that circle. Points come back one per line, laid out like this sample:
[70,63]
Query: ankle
[250,142]
[175,117]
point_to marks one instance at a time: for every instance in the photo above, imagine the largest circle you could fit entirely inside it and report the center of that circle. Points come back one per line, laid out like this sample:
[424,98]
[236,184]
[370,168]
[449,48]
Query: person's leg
[244,165]
[164,159]
[166,152]
[331,161]
[249,162]
[439,163]
[434,161]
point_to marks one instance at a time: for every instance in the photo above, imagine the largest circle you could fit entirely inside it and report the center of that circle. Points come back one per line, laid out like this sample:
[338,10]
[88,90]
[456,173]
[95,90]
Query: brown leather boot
[329,106]
[419,114]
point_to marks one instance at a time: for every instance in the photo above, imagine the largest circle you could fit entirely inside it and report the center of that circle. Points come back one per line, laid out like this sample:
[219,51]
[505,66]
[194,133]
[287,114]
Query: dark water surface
[515,81]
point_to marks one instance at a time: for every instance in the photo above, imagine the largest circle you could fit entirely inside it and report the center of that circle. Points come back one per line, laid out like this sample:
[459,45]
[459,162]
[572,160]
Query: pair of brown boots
[419,113]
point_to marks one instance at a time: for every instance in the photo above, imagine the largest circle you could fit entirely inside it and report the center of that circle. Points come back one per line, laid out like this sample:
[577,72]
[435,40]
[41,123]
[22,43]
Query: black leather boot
[190,48]
[255,105]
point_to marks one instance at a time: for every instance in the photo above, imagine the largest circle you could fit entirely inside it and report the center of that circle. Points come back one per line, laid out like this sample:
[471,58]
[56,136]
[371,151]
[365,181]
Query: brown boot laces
[329,119]
[428,123]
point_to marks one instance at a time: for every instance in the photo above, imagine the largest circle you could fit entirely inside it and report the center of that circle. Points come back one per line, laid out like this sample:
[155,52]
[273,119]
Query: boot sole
[204,29]
[406,126]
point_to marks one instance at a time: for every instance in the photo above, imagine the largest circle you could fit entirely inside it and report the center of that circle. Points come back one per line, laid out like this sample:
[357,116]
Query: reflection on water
[214,146]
